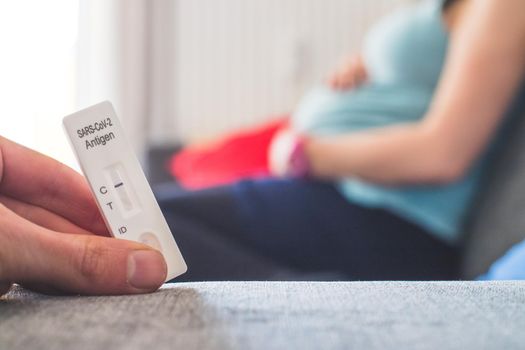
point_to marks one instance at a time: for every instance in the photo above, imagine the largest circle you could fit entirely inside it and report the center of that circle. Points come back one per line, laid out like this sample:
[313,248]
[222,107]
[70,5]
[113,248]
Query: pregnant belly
[324,111]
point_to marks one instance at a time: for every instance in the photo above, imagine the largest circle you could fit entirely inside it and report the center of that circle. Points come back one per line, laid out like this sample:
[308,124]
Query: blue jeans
[297,229]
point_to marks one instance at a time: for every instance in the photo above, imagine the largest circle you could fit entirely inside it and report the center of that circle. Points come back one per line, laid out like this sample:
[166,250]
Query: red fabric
[239,155]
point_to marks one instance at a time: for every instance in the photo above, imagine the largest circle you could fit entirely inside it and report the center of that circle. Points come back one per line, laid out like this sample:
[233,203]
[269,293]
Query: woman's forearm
[394,155]
[485,64]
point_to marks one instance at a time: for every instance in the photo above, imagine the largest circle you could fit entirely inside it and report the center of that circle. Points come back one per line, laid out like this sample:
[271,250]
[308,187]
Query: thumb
[85,264]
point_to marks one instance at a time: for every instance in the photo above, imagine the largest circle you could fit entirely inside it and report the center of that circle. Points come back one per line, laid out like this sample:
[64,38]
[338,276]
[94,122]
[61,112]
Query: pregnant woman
[377,172]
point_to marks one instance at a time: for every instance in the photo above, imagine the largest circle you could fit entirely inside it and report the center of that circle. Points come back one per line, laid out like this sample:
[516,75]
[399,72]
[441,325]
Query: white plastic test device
[118,183]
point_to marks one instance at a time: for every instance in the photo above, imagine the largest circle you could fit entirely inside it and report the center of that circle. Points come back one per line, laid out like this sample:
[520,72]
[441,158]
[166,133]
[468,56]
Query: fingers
[351,74]
[41,216]
[99,265]
[34,178]
[85,264]
[343,81]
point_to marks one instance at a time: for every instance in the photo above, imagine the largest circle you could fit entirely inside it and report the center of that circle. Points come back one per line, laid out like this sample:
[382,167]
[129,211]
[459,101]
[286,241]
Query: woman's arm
[485,64]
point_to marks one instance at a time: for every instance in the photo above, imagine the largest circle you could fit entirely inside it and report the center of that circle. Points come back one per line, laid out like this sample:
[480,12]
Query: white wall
[113,61]
[37,73]
[239,61]
[192,69]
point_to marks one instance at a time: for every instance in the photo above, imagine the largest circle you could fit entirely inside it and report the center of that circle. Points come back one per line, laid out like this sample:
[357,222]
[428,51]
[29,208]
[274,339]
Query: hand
[287,156]
[350,74]
[53,239]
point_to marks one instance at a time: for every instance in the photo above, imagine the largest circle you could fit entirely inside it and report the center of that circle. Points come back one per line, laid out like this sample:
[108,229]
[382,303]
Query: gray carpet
[273,315]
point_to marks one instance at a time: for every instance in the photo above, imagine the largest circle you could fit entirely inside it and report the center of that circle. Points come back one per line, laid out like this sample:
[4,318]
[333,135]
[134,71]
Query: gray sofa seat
[273,315]
[497,220]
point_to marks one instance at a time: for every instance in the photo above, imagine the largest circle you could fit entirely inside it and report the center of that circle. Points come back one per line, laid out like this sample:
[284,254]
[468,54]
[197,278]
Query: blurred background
[175,70]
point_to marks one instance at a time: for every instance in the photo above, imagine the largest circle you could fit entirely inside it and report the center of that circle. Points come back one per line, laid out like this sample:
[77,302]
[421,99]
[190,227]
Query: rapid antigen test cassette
[118,183]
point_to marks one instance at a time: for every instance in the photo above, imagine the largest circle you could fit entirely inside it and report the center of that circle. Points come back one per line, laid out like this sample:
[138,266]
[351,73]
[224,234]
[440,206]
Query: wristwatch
[298,163]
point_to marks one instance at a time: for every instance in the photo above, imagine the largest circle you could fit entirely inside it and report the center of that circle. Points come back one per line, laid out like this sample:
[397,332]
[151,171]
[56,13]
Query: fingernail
[146,269]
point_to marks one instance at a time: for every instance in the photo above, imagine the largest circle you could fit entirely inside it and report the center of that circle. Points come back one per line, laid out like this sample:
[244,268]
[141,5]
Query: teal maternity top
[404,56]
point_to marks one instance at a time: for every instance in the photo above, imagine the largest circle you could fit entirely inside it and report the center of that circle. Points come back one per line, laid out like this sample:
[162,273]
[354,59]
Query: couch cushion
[274,315]
[498,219]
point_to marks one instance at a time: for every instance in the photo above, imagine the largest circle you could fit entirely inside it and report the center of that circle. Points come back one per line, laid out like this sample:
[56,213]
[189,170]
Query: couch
[308,315]
[273,315]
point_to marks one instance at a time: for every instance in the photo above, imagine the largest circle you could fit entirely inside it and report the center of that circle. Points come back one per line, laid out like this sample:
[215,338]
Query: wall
[239,61]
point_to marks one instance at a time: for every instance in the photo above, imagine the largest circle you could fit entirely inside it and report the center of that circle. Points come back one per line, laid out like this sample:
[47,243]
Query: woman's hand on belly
[483,71]
[350,74]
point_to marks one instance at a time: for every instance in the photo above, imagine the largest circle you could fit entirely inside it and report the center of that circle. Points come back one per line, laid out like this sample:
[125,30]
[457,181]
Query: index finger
[32,177]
